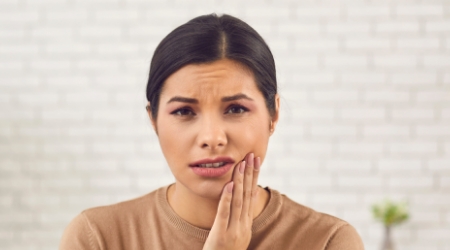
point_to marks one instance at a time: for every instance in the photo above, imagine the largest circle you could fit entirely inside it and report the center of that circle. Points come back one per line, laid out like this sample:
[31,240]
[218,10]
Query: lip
[212,172]
[215,160]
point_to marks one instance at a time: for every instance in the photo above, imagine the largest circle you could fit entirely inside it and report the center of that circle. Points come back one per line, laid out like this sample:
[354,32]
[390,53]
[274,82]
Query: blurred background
[365,113]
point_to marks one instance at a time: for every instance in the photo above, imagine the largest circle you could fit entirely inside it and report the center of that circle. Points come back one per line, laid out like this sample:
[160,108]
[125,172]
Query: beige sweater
[148,222]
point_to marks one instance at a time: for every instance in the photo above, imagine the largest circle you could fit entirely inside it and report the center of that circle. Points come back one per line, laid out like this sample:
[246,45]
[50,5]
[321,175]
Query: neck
[200,211]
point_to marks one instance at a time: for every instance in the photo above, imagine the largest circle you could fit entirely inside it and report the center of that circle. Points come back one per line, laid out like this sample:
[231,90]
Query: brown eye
[236,110]
[183,112]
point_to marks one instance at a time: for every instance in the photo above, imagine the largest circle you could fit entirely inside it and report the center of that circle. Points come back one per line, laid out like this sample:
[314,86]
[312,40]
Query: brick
[97,65]
[310,182]
[93,97]
[387,96]
[363,113]
[72,81]
[332,131]
[100,32]
[414,78]
[113,148]
[19,50]
[63,15]
[436,61]
[367,43]
[419,10]
[418,43]
[38,99]
[399,166]
[439,164]
[437,26]
[386,130]
[69,48]
[12,34]
[413,148]
[116,16]
[314,78]
[363,78]
[368,11]
[336,199]
[437,130]
[313,113]
[315,44]
[395,27]
[433,96]
[312,148]
[62,148]
[395,61]
[300,29]
[360,148]
[362,182]
[411,182]
[336,95]
[413,114]
[51,65]
[112,49]
[110,182]
[52,33]
[348,166]
[19,16]
[346,61]
[261,13]
[444,182]
[347,28]
[317,12]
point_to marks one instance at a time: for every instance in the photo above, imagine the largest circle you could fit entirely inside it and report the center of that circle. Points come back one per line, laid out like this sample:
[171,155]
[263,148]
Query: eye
[236,109]
[183,112]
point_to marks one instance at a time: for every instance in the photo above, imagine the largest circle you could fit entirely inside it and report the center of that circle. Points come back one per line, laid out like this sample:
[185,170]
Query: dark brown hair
[206,39]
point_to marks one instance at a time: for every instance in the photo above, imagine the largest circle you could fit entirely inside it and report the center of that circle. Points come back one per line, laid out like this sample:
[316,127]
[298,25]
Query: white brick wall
[365,89]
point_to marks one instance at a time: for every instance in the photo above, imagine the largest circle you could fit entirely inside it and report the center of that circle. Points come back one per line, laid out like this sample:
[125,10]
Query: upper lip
[214,160]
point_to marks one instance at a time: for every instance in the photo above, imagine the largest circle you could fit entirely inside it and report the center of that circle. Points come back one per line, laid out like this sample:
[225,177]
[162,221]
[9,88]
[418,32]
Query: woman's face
[212,113]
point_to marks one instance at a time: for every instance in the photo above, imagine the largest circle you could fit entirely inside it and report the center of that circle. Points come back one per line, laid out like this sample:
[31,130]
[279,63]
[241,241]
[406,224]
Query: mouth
[212,167]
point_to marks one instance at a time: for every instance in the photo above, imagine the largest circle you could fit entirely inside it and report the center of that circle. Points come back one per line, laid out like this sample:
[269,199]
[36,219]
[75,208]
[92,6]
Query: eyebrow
[195,101]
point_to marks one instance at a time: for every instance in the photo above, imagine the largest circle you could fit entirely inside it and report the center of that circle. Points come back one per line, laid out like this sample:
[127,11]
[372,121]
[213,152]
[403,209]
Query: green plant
[390,213]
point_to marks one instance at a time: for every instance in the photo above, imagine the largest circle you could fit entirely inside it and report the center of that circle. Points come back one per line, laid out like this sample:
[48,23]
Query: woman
[213,103]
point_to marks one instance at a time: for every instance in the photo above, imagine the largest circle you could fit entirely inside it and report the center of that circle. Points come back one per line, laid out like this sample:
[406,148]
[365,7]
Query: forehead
[220,78]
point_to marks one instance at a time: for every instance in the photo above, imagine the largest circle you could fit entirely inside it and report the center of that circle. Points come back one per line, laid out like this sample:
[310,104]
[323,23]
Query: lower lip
[212,172]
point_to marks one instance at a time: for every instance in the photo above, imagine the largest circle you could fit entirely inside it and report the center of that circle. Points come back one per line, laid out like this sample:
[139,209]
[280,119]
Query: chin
[209,189]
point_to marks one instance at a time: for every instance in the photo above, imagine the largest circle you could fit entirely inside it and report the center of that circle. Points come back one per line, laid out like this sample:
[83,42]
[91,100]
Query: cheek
[251,137]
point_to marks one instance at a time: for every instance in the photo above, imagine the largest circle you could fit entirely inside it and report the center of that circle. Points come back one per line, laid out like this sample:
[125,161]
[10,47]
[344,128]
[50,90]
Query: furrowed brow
[182,99]
[235,97]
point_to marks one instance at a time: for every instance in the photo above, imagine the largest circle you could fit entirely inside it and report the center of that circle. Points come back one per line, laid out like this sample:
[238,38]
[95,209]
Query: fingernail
[258,163]
[242,167]
[250,160]
[230,187]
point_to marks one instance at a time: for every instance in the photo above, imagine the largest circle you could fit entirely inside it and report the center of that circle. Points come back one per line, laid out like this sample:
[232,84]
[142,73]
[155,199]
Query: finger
[236,202]
[223,211]
[248,179]
[255,188]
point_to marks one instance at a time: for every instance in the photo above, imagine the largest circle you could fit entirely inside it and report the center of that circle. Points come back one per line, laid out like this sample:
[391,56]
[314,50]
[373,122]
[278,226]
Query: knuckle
[247,194]
[238,203]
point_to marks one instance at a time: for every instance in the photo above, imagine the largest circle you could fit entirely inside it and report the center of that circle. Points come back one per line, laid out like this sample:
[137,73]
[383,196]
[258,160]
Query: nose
[211,134]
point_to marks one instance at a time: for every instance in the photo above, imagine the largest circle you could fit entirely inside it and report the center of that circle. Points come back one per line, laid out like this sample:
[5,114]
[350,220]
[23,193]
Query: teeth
[212,165]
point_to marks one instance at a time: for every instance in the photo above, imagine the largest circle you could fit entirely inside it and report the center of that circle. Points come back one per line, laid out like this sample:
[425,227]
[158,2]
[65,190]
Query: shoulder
[318,229]
[89,228]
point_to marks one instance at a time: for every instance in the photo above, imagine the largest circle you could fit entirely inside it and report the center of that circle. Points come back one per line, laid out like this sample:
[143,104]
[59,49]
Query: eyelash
[187,109]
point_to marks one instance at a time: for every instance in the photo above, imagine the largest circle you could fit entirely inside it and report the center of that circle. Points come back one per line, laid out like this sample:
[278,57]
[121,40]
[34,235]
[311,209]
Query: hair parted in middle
[206,39]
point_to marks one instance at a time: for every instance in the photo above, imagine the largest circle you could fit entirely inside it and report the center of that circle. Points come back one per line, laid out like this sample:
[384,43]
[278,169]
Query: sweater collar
[269,213]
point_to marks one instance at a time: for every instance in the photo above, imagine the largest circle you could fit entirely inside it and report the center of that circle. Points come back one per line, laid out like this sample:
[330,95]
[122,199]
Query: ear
[153,122]
[274,119]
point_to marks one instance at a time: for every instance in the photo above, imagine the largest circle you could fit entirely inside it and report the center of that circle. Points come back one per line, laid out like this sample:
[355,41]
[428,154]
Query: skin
[211,127]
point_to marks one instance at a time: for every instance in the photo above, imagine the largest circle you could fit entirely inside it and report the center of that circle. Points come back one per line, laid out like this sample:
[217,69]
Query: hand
[232,228]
